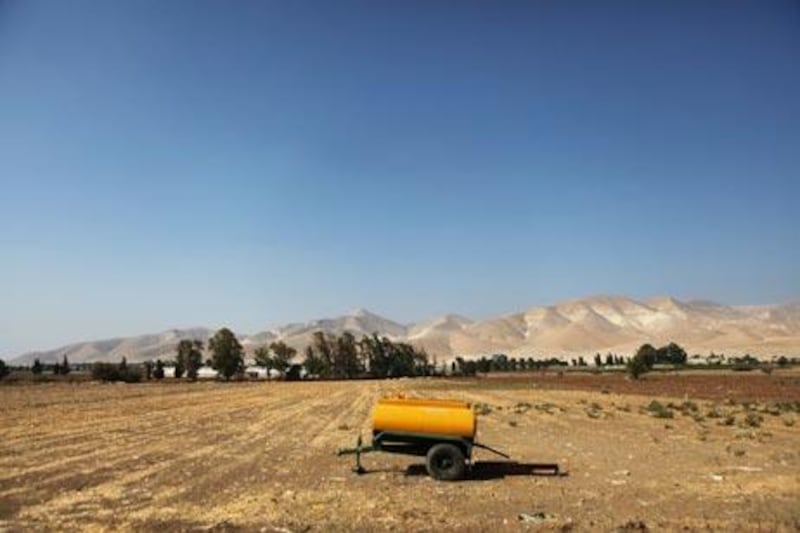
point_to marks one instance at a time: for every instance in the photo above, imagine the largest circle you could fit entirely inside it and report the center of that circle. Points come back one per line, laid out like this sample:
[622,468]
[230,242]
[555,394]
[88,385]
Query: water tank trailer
[442,431]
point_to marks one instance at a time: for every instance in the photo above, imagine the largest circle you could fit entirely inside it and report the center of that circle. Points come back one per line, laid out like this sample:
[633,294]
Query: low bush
[753,420]
[522,408]
[637,366]
[482,408]
[549,408]
[788,407]
[593,413]
[595,410]
[659,410]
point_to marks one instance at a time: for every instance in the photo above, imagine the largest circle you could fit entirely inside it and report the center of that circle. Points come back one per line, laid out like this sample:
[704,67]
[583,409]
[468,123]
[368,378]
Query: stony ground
[261,456]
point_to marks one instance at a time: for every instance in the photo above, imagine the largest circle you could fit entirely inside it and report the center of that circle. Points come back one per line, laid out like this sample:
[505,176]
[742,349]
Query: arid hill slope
[588,325]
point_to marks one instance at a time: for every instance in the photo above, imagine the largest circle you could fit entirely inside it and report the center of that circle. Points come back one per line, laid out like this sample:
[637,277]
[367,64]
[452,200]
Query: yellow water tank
[450,418]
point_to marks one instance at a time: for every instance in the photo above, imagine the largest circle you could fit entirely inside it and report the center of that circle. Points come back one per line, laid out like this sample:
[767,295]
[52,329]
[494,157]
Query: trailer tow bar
[357,451]
[489,448]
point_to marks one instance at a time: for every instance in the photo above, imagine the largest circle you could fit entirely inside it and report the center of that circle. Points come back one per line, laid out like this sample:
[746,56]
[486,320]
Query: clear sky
[170,164]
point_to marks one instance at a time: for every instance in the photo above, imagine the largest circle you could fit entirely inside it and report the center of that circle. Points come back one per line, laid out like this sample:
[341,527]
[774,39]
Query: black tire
[446,462]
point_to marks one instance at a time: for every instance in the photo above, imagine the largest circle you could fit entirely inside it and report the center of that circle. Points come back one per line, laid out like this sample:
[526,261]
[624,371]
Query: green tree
[284,354]
[112,372]
[322,344]
[424,367]
[321,355]
[4,370]
[313,363]
[106,371]
[466,368]
[158,371]
[637,366]
[37,367]
[179,369]
[499,362]
[227,355]
[374,353]
[647,354]
[65,368]
[346,360]
[195,360]
[675,354]
[264,358]
[345,357]
[405,360]
[189,358]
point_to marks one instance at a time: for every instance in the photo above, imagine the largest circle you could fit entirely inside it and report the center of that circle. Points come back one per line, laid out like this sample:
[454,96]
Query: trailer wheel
[445,462]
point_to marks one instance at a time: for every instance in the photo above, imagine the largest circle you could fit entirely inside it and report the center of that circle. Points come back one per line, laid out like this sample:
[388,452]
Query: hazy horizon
[191,164]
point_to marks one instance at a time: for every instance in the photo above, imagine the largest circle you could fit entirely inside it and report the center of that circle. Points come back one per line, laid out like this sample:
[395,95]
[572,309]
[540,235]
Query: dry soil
[261,456]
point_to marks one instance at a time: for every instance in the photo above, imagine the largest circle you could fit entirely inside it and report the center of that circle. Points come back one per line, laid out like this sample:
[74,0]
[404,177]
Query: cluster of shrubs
[116,372]
[648,356]
[37,368]
[56,369]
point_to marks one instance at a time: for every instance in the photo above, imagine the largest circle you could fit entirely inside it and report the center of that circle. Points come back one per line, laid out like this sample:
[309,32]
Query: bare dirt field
[261,456]
[707,385]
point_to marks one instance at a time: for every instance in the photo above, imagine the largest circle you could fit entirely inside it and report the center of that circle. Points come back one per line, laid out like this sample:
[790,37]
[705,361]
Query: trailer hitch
[357,451]
[489,448]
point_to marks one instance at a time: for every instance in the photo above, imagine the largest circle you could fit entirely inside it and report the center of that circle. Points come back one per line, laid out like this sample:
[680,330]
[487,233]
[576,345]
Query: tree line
[503,363]
[646,357]
[328,356]
[57,369]
[344,357]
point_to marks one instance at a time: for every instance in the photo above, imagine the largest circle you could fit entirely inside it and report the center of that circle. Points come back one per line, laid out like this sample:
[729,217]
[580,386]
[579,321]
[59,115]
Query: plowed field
[261,456]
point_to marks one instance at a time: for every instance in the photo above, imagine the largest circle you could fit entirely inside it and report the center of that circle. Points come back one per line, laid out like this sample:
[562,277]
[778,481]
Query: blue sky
[169,164]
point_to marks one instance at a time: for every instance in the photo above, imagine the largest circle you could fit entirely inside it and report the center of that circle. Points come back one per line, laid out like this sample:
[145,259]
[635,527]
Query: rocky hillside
[585,326]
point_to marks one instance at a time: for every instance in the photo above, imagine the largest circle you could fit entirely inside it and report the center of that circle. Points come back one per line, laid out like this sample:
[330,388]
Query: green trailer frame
[447,457]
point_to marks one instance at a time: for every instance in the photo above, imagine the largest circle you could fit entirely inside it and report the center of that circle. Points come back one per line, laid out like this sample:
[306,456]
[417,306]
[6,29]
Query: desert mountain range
[576,327]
